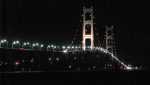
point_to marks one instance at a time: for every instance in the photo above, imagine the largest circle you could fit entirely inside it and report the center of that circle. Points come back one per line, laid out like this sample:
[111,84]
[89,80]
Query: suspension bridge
[21,56]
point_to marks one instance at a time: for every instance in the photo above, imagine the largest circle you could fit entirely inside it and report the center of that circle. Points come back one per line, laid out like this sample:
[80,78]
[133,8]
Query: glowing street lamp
[38,46]
[48,47]
[63,47]
[15,43]
[4,41]
[35,45]
[72,47]
[42,45]
[52,46]
[68,47]
[26,44]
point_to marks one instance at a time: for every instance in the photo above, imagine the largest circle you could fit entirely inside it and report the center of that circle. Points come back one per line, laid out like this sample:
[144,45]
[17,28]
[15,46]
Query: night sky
[57,20]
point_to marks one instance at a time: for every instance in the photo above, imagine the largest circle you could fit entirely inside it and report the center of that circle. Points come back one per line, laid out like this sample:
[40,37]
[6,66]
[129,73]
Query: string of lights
[57,49]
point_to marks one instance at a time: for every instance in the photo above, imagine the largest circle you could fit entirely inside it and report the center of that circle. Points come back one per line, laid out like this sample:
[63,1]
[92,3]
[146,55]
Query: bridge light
[52,46]
[33,44]
[37,44]
[42,45]
[70,66]
[112,54]
[72,47]
[65,51]
[16,42]
[24,44]
[76,47]
[129,68]
[49,59]
[3,41]
[68,47]
[17,63]
[63,47]
[28,43]
[48,46]
[57,59]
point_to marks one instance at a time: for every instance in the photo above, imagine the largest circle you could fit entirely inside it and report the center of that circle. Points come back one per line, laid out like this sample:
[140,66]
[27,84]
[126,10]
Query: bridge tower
[87,27]
[110,39]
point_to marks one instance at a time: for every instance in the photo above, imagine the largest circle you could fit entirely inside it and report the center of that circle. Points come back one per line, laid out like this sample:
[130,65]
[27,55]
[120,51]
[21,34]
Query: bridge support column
[88,29]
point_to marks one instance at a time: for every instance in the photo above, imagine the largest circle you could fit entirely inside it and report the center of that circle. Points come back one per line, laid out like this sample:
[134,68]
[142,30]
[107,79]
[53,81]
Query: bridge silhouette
[34,54]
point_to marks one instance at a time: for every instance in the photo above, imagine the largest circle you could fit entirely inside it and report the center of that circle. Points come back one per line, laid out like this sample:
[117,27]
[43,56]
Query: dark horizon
[57,20]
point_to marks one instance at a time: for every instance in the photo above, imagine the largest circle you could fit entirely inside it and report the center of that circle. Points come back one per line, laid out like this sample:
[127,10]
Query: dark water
[72,78]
